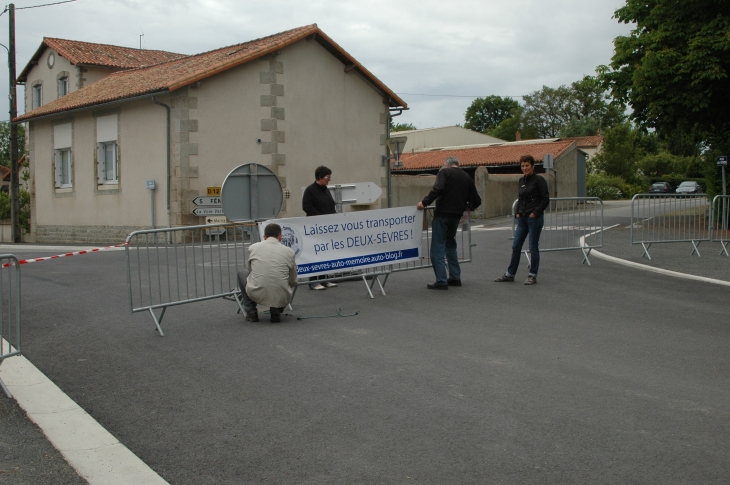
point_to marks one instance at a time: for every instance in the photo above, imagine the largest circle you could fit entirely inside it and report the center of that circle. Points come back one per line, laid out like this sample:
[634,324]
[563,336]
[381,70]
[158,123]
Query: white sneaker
[318,287]
[330,284]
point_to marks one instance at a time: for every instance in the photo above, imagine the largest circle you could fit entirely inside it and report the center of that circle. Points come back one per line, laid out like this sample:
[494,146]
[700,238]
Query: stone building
[290,101]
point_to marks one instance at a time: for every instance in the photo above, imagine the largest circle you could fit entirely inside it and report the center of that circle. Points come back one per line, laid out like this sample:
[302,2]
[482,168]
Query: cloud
[461,47]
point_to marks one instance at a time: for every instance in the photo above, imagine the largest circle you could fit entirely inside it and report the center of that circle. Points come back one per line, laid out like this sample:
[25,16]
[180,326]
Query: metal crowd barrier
[10,324]
[669,218]
[720,217]
[567,220]
[174,266]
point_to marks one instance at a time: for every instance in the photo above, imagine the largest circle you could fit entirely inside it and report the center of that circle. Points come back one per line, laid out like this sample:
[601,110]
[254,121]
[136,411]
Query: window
[108,163]
[63,168]
[107,153]
[63,155]
[37,96]
[62,86]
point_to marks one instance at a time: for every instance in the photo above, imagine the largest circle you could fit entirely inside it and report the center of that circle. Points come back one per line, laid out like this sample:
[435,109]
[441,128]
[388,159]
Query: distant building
[504,158]
[589,144]
[446,136]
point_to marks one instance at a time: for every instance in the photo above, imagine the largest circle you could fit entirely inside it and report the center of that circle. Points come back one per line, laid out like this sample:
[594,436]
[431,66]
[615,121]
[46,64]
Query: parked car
[689,188]
[662,188]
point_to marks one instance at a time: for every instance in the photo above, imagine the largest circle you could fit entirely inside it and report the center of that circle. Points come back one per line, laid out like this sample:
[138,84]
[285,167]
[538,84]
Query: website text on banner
[352,240]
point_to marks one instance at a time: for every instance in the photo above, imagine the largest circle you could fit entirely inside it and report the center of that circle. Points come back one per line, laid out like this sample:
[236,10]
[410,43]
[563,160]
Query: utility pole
[14,181]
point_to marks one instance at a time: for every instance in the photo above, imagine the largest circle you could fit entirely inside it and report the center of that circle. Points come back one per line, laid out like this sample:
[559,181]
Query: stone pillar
[181,194]
[273,133]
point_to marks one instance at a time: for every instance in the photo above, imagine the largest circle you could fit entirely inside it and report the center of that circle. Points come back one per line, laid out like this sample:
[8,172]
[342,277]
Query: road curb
[90,449]
[644,267]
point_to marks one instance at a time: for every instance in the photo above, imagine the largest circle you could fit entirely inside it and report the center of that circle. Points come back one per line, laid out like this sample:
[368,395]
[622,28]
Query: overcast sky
[461,48]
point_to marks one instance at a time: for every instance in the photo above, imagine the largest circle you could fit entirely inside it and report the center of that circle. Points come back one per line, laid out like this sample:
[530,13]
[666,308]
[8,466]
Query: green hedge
[24,214]
[611,187]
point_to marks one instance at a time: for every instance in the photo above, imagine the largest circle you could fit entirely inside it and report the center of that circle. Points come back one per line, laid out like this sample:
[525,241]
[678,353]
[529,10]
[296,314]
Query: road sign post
[548,164]
[151,188]
[722,162]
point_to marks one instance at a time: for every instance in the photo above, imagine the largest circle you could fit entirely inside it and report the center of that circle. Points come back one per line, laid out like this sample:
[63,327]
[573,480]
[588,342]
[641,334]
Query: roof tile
[586,141]
[108,55]
[491,156]
[175,74]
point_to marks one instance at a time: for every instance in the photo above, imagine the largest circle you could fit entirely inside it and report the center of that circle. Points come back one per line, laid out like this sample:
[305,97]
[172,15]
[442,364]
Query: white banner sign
[352,240]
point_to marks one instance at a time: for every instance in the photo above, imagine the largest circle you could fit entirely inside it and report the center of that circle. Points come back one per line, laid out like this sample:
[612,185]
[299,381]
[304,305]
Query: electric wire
[44,5]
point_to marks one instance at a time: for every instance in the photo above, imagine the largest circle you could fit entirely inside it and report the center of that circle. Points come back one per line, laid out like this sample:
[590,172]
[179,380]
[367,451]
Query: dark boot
[252,316]
[275,315]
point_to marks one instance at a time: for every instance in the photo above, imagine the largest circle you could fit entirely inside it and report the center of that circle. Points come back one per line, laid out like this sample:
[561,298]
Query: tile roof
[586,141]
[178,73]
[104,55]
[492,155]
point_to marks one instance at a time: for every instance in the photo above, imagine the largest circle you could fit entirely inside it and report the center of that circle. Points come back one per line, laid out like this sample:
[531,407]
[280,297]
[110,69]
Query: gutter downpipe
[169,220]
[387,135]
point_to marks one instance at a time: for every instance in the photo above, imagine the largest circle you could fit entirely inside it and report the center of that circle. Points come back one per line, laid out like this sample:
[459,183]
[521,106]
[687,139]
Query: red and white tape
[85,251]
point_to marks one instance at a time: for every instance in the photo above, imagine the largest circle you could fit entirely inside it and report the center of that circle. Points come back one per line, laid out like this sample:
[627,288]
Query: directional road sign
[722,161]
[214,201]
[208,211]
[214,191]
[215,219]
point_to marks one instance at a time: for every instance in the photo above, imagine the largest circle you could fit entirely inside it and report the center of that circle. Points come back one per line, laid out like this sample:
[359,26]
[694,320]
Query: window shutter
[70,168]
[57,167]
[100,163]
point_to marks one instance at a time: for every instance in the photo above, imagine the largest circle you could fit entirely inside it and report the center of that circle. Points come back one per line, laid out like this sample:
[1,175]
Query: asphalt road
[26,457]
[600,374]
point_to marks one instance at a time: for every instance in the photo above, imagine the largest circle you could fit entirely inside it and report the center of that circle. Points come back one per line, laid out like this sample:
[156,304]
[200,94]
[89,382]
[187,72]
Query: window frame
[37,95]
[62,81]
[63,166]
[102,162]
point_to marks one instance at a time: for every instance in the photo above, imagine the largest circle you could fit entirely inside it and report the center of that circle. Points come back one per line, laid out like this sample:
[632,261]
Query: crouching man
[271,275]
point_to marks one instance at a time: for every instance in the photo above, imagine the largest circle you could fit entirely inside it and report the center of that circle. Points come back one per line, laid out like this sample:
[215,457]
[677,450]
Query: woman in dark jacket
[534,198]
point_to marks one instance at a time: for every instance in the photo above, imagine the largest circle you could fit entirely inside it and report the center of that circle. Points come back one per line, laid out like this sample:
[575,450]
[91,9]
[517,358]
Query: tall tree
[549,110]
[672,69]
[487,113]
[5,142]
[401,126]
[623,146]
[509,127]
[592,106]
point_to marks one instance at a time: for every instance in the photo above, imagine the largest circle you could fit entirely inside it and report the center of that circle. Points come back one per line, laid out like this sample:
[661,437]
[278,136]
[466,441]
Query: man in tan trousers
[271,275]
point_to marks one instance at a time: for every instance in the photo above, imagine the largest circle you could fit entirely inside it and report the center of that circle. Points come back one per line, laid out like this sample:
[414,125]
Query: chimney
[518,136]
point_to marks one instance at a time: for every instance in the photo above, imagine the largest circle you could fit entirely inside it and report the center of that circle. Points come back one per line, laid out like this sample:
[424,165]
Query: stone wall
[498,192]
[84,234]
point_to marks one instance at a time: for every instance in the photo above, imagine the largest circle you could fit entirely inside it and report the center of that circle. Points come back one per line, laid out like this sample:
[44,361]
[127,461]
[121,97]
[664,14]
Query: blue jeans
[532,226]
[443,249]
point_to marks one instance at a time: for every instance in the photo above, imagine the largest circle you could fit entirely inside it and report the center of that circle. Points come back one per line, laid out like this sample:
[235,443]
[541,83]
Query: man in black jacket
[456,192]
[316,201]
